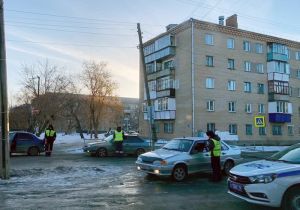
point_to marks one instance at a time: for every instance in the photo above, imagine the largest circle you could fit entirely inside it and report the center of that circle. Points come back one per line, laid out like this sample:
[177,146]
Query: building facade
[205,76]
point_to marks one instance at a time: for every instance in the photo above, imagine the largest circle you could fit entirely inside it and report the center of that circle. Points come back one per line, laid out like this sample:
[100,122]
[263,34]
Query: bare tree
[100,85]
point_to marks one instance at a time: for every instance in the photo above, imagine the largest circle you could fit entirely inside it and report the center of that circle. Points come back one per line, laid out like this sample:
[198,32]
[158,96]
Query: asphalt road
[77,181]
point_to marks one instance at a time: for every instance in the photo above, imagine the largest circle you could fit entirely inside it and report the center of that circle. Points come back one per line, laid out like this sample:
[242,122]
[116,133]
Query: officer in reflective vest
[214,146]
[50,136]
[118,140]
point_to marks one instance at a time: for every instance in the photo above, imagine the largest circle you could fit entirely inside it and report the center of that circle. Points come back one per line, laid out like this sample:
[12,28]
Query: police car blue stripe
[290,173]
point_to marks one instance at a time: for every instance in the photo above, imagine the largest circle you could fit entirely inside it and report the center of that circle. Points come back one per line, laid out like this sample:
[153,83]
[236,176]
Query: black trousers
[49,147]
[216,168]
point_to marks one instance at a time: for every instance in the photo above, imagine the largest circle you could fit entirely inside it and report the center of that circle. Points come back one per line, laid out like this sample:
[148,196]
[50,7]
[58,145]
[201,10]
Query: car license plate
[236,187]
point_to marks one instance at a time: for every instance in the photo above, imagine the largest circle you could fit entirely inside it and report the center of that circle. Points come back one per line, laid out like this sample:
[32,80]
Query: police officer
[50,136]
[214,146]
[118,140]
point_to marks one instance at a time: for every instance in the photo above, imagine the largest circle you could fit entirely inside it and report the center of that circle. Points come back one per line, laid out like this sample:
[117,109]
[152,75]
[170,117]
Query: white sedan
[183,156]
[274,181]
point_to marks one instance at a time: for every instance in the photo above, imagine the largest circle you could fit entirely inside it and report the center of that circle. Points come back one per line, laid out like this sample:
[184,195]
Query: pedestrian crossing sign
[259,121]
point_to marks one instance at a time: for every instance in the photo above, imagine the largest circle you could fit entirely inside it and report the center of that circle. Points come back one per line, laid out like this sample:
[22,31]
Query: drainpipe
[193,78]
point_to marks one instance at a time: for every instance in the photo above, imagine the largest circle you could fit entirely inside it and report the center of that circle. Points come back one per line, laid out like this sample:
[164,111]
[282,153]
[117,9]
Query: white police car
[274,181]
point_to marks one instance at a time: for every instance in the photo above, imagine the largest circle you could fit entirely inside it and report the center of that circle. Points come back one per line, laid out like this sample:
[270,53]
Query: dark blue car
[24,142]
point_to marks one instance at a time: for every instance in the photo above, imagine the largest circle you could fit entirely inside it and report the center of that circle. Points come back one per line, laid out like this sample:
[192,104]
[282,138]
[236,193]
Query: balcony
[280,117]
[161,54]
[278,97]
[162,115]
[278,76]
[162,73]
[166,93]
[277,56]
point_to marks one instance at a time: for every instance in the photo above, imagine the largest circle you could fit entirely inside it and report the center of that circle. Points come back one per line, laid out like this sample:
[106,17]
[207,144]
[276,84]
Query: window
[247,87]
[248,108]
[261,108]
[210,83]
[168,127]
[164,83]
[230,43]
[260,88]
[209,39]
[169,64]
[290,130]
[211,126]
[298,73]
[231,106]
[248,129]
[262,131]
[152,85]
[210,105]
[278,48]
[282,107]
[232,129]
[258,48]
[246,46]
[297,55]
[276,130]
[231,85]
[260,68]
[230,64]
[209,61]
[247,66]
[281,67]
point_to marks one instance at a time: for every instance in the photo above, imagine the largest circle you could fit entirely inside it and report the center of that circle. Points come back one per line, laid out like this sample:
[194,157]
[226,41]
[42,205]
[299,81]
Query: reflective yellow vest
[118,136]
[217,148]
[50,133]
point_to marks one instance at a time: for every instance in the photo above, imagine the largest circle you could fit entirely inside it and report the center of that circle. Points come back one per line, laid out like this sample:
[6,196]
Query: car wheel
[291,200]
[139,151]
[228,165]
[33,151]
[101,152]
[179,173]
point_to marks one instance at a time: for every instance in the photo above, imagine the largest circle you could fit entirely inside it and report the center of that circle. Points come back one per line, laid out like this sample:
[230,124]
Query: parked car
[132,145]
[183,156]
[274,181]
[25,142]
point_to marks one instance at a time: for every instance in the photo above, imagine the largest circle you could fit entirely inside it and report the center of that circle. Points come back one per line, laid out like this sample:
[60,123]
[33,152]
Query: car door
[23,142]
[199,158]
[131,144]
[225,152]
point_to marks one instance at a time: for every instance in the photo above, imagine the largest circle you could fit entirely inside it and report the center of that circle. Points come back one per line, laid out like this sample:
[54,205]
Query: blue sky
[69,32]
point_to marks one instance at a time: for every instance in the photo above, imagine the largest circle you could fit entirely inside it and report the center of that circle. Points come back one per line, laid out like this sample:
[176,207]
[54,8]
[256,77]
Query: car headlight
[264,178]
[139,159]
[160,162]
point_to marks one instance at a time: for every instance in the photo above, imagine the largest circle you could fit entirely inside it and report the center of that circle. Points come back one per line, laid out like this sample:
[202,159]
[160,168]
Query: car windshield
[289,155]
[182,145]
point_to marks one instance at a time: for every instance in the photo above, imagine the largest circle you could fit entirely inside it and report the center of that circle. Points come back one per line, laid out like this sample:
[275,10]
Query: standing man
[214,146]
[118,140]
[50,136]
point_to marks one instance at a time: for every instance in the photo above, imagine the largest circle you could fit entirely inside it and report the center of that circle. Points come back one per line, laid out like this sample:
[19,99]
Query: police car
[274,181]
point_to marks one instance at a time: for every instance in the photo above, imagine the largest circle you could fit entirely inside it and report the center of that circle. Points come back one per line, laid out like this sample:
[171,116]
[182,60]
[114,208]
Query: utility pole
[4,170]
[150,107]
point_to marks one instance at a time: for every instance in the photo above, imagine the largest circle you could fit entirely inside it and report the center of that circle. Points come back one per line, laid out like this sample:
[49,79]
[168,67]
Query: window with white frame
[209,61]
[246,46]
[297,55]
[247,66]
[152,85]
[168,127]
[210,83]
[162,104]
[248,108]
[262,131]
[232,85]
[261,108]
[165,83]
[260,88]
[248,129]
[260,68]
[276,130]
[209,39]
[233,129]
[210,105]
[230,43]
[247,87]
[282,106]
[290,130]
[230,64]
[211,126]
[258,48]
[232,106]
